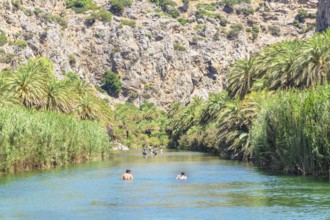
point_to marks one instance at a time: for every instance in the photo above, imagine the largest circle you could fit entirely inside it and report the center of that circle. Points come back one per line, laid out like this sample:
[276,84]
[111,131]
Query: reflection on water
[215,189]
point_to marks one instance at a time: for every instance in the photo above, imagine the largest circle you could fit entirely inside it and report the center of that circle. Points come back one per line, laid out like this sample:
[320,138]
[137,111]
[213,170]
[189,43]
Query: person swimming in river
[181,176]
[144,152]
[127,175]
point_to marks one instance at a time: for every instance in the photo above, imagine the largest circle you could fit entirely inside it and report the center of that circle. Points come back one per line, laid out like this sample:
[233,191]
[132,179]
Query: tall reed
[292,132]
[43,139]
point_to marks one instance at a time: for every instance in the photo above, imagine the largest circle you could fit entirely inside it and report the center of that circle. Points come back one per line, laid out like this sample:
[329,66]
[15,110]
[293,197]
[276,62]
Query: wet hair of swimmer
[128,171]
[182,173]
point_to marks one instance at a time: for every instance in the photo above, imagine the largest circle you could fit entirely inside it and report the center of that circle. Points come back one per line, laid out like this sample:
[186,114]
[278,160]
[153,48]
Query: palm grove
[275,110]
[46,122]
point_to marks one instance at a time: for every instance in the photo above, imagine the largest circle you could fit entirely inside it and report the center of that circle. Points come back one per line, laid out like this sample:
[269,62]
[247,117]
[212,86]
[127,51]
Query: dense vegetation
[140,127]
[39,140]
[112,83]
[270,113]
[46,122]
[292,132]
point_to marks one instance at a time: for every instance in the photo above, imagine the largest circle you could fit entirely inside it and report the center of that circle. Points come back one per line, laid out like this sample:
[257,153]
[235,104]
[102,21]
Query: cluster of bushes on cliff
[270,111]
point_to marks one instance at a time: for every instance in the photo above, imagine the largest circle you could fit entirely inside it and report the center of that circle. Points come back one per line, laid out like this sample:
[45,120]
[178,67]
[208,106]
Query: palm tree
[174,109]
[229,124]
[89,108]
[108,117]
[250,108]
[283,65]
[127,116]
[241,77]
[6,96]
[185,118]
[314,62]
[234,124]
[28,85]
[59,97]
[213,105]
[83,88]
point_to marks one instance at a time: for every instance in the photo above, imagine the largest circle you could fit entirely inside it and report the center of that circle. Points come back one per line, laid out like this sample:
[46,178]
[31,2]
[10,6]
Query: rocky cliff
[158,58]
[323,15]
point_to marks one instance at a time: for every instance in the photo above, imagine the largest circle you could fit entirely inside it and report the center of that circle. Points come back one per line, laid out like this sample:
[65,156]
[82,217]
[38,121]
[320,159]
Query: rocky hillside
[159,55]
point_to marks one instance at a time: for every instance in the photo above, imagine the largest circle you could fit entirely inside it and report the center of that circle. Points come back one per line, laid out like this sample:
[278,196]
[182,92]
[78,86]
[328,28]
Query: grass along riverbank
[38,140]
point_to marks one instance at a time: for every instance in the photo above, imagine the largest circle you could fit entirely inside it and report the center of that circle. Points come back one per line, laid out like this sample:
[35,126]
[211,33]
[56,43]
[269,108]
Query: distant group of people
[152,150]
[128,175]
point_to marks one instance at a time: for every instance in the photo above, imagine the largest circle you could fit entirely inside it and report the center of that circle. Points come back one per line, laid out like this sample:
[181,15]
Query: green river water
[215,189]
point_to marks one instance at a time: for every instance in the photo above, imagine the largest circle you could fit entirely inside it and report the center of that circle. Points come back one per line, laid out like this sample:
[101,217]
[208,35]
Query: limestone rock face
[323,15]
[158,60]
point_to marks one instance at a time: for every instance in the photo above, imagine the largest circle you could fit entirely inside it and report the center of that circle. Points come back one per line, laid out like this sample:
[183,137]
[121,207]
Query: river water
[215,189]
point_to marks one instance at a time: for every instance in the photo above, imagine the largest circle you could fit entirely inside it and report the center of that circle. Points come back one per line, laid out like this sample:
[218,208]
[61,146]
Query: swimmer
[181,176]
[127,175]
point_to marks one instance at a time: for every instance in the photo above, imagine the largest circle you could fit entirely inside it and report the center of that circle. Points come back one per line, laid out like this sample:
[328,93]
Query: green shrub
[233,32]
[274,30]
[101,15]
[148,36]
[21,43]
[229,4]
[247,11]
[174,13]
[179,47]
[72,60]
[199,27]
[182,21]
[16,4]
[209,7]
[234,2]
[3,38]
[112,83]
[204,13]
[296,23]
[6,57]
[80,6]
[302,15]
[37,11]
[255,32]
[118,6]
[168,6]
[223,21]
[55,19]
[27,12]
[128,22]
